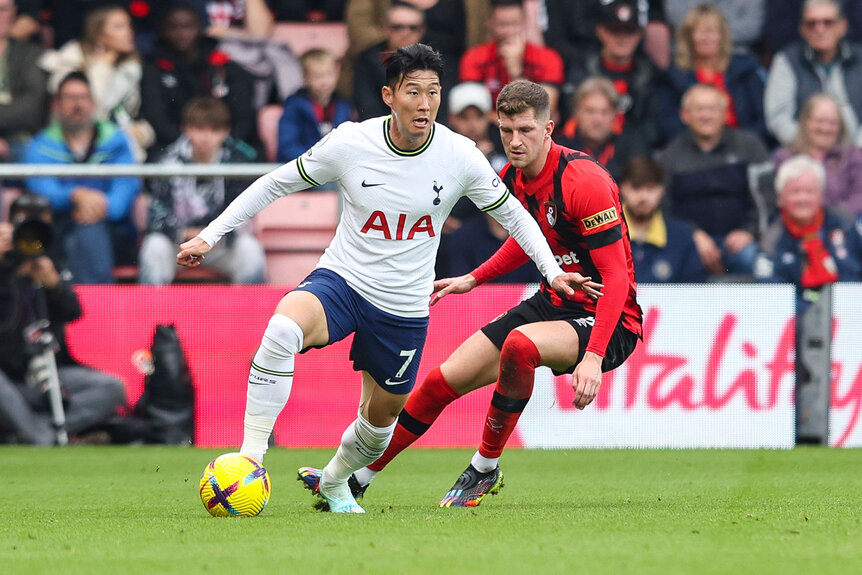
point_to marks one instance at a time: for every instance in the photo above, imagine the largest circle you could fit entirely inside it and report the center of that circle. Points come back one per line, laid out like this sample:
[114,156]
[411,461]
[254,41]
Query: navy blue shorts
[387,346]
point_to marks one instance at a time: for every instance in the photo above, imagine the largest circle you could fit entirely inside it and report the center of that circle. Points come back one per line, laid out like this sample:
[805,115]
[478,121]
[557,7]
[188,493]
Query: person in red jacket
[576,203]
[508,56]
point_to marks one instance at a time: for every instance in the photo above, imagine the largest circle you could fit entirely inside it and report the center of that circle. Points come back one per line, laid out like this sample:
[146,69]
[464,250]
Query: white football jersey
[394,205]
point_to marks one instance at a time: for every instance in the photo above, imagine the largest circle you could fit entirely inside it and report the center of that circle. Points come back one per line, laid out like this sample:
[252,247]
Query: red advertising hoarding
[715,368]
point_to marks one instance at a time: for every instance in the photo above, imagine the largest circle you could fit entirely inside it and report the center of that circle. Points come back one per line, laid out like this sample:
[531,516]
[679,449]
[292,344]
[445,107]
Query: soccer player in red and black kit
[576,203]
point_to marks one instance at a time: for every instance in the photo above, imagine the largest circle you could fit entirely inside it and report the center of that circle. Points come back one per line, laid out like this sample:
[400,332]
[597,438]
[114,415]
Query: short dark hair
[521,96]
[410,58]
[206,112]
[76,76]
[642,171]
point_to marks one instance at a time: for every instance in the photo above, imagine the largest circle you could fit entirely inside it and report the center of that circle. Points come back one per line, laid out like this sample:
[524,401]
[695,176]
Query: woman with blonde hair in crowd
[823,136]
[106,54]
[703,54]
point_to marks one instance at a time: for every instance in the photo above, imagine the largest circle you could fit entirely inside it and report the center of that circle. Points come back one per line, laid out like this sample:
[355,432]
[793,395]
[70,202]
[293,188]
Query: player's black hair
[409,59]
[76,76]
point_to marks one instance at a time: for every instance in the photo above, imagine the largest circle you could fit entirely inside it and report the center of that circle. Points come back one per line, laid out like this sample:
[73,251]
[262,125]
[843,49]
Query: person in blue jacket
[663,248]
[92,215]
[313,110]
[810,245]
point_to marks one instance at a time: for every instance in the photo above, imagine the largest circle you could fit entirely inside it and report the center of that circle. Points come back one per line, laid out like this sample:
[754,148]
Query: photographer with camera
[36,302]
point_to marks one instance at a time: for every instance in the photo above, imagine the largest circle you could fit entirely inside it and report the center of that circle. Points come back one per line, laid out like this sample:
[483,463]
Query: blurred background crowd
[694,107]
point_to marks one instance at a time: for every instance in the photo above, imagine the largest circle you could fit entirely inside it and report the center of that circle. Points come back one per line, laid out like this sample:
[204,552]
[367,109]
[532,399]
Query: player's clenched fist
[192,252]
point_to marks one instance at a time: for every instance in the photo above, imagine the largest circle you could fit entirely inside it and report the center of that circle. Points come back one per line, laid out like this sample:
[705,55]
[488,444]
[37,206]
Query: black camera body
[31,238]
[32,231]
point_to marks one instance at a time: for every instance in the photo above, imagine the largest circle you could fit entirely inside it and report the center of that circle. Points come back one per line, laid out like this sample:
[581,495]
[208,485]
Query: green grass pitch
[137,510]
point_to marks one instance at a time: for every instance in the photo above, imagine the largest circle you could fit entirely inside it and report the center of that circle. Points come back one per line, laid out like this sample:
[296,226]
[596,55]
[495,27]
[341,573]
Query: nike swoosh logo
[303,284]
[367,185]
[390,382]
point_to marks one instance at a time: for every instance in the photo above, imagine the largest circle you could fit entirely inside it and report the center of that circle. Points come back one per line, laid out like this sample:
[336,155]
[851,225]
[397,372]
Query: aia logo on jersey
[551,213]
[378,221]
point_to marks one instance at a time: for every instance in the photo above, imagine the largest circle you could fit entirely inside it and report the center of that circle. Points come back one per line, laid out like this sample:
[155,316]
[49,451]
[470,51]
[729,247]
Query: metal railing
[135,170]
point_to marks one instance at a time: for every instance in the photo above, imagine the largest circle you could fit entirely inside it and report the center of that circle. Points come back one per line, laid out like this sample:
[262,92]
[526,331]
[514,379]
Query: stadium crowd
[692,106]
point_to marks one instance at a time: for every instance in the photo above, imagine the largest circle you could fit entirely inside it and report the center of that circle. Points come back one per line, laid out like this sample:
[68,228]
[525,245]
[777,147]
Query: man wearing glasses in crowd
[823,61]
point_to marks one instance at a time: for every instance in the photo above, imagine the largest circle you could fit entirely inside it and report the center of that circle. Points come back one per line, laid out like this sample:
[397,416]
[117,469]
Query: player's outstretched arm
[461,284]
[568,282]
[192,252]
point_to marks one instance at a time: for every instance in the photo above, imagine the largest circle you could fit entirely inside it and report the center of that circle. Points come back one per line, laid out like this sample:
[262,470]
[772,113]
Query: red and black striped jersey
[576,203]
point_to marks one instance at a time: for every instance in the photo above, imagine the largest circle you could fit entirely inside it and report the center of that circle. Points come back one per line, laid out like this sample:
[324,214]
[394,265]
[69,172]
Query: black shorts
[539,308]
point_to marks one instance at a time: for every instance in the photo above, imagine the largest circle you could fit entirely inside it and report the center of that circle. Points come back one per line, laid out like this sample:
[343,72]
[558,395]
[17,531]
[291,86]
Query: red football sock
[518,361]
[424,406]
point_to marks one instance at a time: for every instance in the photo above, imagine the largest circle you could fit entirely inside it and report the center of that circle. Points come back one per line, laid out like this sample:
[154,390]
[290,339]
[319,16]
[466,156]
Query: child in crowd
[314,110]
[182,205]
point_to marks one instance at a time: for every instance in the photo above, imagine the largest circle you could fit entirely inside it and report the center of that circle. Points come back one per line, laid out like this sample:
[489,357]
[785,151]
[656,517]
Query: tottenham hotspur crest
[551,213]
[437,190]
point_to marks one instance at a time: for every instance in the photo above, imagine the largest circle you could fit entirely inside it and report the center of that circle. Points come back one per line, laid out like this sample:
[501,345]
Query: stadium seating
[302,36]
[294,231]
[267,129]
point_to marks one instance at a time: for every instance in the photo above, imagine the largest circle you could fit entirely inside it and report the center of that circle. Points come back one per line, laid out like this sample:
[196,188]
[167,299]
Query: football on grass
[235,485]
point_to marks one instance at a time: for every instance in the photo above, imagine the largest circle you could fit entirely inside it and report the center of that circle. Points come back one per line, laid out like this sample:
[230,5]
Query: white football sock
[364,475]
[269,382]
[361,445]
[484,464]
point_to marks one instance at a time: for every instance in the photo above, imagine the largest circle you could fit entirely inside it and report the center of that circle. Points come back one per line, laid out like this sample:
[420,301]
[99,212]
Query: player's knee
[518,360]
[283,336]
[520,349]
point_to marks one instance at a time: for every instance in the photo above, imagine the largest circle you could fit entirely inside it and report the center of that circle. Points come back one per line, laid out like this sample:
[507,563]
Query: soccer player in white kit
[399,177]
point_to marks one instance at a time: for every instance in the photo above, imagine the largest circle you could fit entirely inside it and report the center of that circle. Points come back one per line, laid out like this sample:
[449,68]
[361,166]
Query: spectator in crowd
[593,127]
[809,245]
[243,29]
[92,215]
[26,25]
[452,26]
[704,54]
[476,240]
[572,27]
[187,65]
[508,56]
[745,17]
[633,75]
[663,248]
[822,136]
[22,89]
[315,109]
[33,289]
[180,207]
[782,17]
[106,54]
[308,10]
[469,115]
[405,25]
[706,170]
[470,107]
[65,18]
[822,62]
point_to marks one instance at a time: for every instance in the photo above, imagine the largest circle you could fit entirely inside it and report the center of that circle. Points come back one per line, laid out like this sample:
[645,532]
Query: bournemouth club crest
[551,213]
